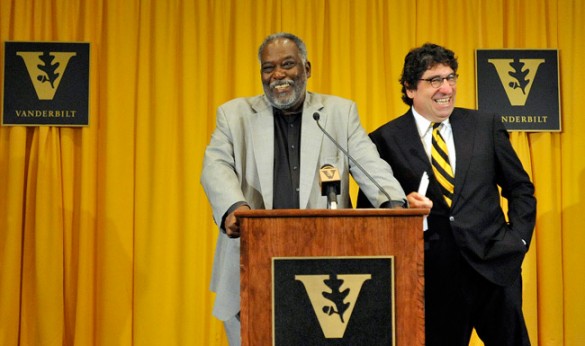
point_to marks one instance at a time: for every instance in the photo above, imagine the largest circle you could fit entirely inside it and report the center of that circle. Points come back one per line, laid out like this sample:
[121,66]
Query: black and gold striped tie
[441,166]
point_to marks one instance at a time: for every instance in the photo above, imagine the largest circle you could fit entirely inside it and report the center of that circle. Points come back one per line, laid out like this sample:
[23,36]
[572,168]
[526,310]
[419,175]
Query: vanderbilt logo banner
[46,83]
[333,301]
[522,86]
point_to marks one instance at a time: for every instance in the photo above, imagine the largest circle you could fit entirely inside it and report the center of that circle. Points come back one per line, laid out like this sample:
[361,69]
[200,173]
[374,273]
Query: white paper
[424,184]
[422,189]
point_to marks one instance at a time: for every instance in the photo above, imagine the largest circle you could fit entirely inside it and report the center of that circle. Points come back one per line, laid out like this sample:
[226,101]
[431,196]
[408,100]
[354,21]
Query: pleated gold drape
[106,237]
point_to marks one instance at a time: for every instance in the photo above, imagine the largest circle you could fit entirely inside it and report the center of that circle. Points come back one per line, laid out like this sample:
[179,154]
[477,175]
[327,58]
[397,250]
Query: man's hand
[416,200]
[232,224]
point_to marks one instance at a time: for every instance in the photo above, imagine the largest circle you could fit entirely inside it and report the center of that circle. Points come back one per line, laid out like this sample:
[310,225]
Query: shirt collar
[423,125]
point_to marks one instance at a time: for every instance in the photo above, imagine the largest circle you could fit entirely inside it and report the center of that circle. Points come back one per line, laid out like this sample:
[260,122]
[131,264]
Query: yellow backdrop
[106,236]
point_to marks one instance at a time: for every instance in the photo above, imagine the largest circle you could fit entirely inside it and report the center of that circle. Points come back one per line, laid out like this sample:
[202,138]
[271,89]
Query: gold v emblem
[46,70]
[517,77]
[333,298]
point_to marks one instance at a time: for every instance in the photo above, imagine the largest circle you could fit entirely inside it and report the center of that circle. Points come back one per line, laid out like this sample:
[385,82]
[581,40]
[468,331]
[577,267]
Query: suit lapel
[413,150]
[311,140]
[408,140]
[463,135]
[263,147]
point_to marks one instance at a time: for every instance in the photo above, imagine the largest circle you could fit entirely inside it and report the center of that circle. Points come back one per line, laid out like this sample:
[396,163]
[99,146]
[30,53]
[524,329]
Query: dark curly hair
[420,59]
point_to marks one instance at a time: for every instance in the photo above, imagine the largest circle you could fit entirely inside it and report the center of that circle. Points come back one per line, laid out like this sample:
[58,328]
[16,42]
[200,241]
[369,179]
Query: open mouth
[443,101]
[282,86]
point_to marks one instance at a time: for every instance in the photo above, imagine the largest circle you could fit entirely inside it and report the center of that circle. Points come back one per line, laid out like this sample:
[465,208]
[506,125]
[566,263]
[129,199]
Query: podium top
[398,212]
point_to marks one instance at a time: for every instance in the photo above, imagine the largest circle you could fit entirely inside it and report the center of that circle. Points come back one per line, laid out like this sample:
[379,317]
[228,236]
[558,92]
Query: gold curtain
[106,236]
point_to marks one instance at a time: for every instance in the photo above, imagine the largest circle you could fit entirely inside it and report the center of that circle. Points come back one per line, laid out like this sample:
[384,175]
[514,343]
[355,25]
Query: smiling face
[435,104]
[284,74]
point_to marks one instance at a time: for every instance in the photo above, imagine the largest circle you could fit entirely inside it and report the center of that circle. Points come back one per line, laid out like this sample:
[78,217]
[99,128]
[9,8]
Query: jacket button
[451,218]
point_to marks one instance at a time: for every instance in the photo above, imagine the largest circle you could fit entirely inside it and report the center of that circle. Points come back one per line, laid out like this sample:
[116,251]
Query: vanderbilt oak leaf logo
[517,77]
[336,297]
[329,173]
[333,299]
[46,70]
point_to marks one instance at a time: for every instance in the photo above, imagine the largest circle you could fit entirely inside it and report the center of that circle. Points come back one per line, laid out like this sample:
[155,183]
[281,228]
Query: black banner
[522,86]
[46,83]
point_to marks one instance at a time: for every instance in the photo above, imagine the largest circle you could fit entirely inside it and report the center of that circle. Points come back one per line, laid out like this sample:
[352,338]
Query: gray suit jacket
[239,161]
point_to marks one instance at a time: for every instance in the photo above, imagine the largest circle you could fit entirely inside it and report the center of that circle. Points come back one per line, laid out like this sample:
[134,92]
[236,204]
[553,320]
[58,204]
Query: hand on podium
[232,224]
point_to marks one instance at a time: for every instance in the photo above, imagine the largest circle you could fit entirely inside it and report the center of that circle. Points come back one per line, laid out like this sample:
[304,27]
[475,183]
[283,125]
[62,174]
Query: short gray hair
[284,35]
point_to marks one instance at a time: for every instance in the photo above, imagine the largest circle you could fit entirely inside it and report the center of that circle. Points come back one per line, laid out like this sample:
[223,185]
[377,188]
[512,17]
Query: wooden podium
[342,233]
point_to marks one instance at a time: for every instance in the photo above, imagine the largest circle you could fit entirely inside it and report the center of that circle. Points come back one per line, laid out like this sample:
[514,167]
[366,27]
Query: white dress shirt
[425,131]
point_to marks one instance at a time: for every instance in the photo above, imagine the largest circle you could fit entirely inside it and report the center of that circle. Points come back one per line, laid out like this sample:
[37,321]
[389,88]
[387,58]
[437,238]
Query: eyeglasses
[436,82]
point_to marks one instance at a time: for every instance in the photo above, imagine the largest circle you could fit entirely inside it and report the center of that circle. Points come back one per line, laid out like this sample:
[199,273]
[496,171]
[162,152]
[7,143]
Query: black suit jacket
[485,160]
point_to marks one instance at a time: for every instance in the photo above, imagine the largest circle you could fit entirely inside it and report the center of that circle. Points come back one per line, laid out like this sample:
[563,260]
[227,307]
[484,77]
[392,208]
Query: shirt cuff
[394,204]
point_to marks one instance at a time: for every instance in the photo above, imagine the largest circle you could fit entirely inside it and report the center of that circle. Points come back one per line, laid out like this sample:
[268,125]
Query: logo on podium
[333,301]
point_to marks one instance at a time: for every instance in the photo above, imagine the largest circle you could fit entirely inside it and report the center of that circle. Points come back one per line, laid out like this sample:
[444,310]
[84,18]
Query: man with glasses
[473,252]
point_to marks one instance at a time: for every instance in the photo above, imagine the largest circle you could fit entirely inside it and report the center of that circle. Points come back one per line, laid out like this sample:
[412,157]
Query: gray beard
[285,104]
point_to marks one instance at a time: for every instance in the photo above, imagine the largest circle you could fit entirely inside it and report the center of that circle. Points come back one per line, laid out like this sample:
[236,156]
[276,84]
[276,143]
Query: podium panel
[332,277]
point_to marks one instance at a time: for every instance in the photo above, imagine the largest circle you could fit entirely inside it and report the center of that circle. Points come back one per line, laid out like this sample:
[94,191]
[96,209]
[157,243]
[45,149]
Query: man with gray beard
[254,159]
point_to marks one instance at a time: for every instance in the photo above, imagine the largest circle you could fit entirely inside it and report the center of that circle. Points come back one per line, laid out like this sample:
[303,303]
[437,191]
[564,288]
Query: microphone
[317,116]
[330,184]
